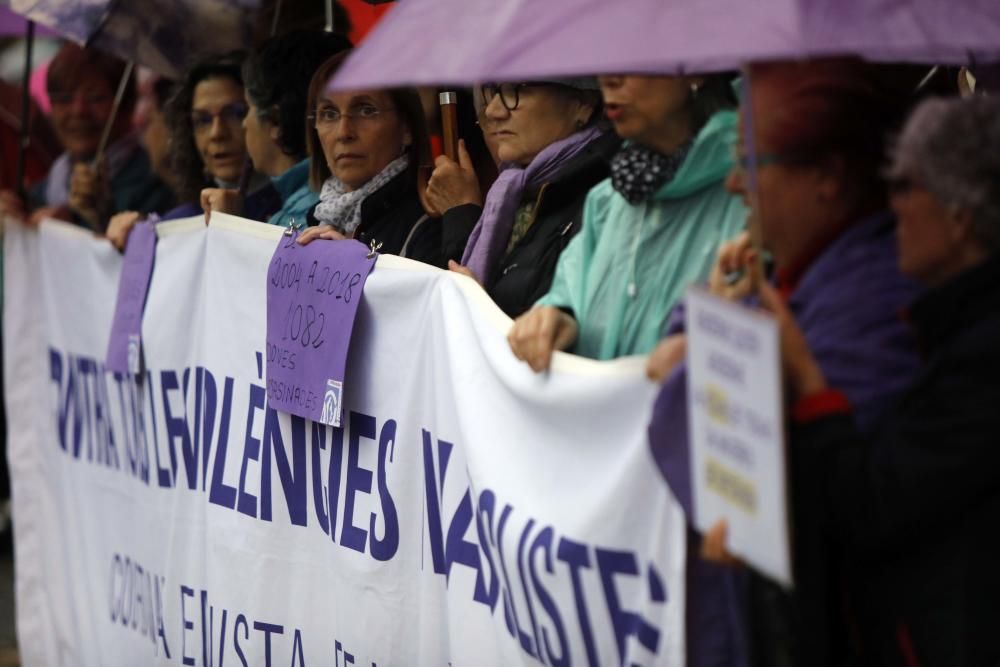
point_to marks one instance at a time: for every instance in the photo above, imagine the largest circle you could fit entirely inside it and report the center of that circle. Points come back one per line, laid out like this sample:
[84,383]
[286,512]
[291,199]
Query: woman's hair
[185,159]
[74,61]
[277,77]
[952,148]
[408,107]
[841,107]
[713,95]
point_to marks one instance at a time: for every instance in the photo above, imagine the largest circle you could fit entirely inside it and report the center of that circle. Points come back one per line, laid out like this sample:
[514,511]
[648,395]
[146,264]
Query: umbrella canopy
[164,35]
[464,41]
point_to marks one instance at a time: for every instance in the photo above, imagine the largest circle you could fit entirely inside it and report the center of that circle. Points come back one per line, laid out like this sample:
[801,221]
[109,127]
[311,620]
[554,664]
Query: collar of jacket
[291,180]
[943,312]
[389,196]
[708,161]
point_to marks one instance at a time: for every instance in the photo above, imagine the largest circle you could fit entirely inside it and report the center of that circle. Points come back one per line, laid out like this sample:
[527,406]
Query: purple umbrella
[464,41]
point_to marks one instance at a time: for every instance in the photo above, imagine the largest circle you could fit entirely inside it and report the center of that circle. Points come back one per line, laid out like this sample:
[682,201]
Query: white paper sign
[737,429]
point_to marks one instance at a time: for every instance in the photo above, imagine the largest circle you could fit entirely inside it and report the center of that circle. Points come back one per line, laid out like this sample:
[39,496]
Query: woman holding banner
[648,231]
[276,78]
[368,148]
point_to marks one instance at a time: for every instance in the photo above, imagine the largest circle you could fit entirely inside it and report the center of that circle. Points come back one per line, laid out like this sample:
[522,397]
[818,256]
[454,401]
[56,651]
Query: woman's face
[542,116]
[80,113]
[217,113]
[361,132]
[928,237]
[648,109]
[261,138]
[789,212]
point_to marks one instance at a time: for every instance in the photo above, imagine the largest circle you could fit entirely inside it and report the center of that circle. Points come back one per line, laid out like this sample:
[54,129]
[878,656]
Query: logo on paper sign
[133,354]
[331,403]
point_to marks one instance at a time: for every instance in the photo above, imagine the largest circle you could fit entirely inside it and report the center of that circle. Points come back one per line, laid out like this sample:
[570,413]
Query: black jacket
[914,514]
[524,275]
[394,217]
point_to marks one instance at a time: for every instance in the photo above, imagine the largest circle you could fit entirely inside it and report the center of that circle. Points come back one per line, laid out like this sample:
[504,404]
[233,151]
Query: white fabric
[133,511]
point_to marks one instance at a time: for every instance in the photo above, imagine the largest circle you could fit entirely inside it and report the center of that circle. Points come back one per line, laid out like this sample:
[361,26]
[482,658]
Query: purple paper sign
[125,345]
[313,293]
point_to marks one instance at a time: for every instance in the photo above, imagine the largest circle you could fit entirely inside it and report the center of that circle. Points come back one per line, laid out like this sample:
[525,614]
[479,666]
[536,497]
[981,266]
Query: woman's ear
[407,138]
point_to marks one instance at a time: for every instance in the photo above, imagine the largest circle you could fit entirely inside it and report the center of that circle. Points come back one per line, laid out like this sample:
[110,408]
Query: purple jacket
[848,304]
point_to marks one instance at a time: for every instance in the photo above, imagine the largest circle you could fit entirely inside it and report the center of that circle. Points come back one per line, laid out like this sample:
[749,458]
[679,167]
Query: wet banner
[466,511]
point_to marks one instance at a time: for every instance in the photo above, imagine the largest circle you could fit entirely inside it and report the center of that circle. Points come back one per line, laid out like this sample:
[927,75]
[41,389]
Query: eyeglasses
[742,161]
[510,93]
[327,117]
[231,114]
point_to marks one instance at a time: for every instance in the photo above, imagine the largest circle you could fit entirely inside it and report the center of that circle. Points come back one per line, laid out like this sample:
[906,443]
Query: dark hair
[185,159]
[72,61]
[277,78]
[411,112]
[837,106]
[715,94]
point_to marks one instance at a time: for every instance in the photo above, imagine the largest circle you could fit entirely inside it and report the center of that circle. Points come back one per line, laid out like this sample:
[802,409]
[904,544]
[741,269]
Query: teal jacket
[296,197]
[629,265]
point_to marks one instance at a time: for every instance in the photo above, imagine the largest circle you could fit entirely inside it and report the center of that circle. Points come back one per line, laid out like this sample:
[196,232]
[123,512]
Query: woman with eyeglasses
[649,230]
[81,83]
[370,156]
[552,149]
[207,148]
[276,78]
[821,212]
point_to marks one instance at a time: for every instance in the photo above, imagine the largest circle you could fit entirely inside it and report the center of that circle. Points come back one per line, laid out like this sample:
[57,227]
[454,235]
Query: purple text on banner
[125,344]
[313,293]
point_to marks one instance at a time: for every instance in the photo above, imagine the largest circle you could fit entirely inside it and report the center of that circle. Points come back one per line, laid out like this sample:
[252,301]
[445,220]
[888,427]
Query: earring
[694,89]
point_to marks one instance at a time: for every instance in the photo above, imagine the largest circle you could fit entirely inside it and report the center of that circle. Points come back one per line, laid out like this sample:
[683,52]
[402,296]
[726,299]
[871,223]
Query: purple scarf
[490,236]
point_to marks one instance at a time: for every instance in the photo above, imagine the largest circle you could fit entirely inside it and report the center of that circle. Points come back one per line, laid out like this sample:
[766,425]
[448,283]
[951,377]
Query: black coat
[524,275]
[394,217]
[915,513]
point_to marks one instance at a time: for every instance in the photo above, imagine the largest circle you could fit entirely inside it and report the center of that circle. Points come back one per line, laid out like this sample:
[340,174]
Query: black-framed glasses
[510,93]
[231,114]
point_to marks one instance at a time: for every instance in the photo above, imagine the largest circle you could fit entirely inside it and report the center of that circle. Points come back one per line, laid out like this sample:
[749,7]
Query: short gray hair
[952,146]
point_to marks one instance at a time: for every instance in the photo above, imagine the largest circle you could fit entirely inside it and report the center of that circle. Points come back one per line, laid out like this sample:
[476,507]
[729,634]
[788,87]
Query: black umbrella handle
[25,125]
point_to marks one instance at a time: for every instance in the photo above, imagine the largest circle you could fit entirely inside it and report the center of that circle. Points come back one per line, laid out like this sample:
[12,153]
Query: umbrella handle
[119,94]
[449,123]
[25,124]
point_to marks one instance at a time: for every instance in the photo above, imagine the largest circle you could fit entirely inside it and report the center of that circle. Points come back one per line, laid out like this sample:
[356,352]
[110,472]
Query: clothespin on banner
[373,248]
[292,227]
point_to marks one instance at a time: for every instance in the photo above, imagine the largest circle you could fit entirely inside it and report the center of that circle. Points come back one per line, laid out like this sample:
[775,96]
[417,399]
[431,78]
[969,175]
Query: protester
[821,212]
[81,85]
[276,78]
[649,230]
[368,148]
[910,505]
[553,148]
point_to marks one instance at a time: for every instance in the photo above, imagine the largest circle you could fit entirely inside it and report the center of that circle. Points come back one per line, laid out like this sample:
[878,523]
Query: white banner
[470,512]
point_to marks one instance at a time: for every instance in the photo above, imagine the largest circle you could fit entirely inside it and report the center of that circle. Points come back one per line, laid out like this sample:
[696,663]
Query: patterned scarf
[638,171]
[342,209]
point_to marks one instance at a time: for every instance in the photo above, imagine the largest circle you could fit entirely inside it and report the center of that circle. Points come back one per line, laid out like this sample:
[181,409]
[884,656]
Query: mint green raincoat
[629,265]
